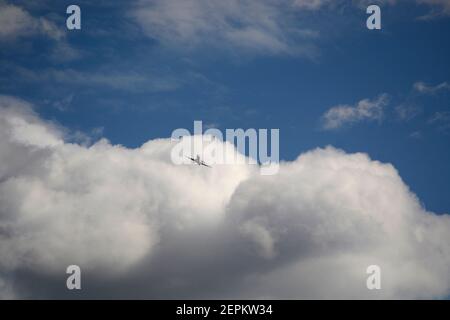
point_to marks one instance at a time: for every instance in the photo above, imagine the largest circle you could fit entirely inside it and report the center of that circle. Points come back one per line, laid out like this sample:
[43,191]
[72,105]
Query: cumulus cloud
[141,227]
[364,110]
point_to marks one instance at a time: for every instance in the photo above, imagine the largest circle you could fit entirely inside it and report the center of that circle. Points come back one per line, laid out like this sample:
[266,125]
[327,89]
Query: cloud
[407,111]
[310,4]
[422,87]
[123,80]
[441,120]
[63,52]
[443,4]
[439,8]
[141,227]
[258,27]
[30,130]
[416,135]
[364,110]
[440,116]
[16,22]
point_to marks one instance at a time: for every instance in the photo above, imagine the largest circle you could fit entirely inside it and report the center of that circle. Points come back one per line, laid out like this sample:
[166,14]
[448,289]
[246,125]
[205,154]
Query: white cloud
[169,231]
[256,27]
[30,130]
[364,110]
[422,87]
[61,189]
[332,214]
[16,22]
[261,27]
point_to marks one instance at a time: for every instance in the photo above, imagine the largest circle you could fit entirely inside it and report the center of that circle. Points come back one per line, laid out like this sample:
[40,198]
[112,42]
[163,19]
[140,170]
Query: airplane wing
[204,164]
[201,162]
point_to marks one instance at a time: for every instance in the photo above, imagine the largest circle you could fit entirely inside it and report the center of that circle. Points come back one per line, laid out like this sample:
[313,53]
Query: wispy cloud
[416,135]
[261,27]
[406,112]
[422,87]
[364,110]
[127,80]
[441,120]
[439,8]
[15,22]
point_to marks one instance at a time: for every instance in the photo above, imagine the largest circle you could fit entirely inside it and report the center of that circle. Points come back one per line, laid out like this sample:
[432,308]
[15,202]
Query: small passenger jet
[198,161]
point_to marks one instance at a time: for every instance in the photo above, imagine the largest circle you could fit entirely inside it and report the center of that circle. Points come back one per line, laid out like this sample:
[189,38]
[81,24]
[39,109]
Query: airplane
[198,161]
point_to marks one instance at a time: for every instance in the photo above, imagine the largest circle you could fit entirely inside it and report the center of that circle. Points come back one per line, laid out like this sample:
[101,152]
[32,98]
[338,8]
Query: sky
[86,112]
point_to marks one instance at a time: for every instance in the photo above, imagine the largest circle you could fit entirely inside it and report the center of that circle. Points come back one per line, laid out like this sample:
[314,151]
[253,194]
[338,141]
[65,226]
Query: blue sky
[131,77]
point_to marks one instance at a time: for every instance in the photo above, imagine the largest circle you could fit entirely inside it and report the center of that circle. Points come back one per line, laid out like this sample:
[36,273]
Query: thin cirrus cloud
[133,81]
[436,8]
[424,88]
[16,22]
[365,110]
[255,27]
[262,27]
[439,8]
[407,111]
[441,120]
[141,227]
